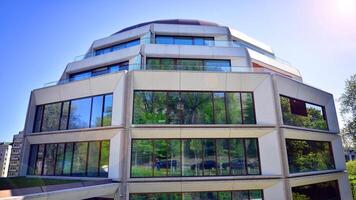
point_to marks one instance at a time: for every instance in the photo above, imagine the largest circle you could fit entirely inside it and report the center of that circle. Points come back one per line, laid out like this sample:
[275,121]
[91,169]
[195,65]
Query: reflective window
[224,195]
[79,113]
[299,113]
[99,71]
[151,107]
[70,159]
[51,116]
[184,40]
[188,64]
[324,190]
[117,47]
[194,157]
[307,155]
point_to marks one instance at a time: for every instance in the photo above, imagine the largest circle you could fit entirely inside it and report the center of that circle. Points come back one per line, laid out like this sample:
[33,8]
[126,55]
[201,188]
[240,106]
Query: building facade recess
[5,152]
[186,109]
[16,152]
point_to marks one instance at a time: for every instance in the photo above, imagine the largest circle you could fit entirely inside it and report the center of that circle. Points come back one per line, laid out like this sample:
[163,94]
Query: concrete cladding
[186,109]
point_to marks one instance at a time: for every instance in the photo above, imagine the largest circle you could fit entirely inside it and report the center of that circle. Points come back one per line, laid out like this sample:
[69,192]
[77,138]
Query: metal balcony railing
[138,67]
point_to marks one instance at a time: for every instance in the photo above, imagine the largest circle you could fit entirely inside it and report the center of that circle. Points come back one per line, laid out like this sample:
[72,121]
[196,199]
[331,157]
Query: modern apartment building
[186,109]
[5,152]
[16,152]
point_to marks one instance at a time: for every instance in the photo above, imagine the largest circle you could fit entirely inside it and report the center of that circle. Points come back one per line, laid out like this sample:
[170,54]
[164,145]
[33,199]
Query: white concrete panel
[270,165]
[203,81]
[275,192]
[114,156]
[156,80]
[239,35]
[338,152]
[344,187]
[118,107]
[264,102]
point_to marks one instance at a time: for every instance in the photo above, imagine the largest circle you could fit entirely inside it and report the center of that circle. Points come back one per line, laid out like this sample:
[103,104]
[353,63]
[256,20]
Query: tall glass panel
[150,107]
[164,40]
[219,108]
[59,159]
[32,159]
[153,63]
[141,158]
[240,195]
[253,162]
[38,119]
[68,156]
[183,40]
[39,160]
[107,114]
[247,108]
[198,107]
[225,195]
[79,158]
[51,115]
[192,157]
[160,158]
[256,194]
[50,159]
[174,158]
[167,64]
[64,116]
[96,111]
[79,113]
[325,190]
[199,41]
[307,155]
[191,196]
[222,153]
[233,108]
[192,65]
[174,108]
[104,158]
[237,157]
[93,158]
[217,65]
[209,156]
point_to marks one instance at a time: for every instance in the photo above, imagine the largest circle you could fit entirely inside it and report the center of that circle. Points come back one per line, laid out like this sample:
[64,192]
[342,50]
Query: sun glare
[346,7]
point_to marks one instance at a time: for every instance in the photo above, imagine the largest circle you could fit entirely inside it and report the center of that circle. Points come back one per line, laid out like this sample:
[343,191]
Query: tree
[348,108]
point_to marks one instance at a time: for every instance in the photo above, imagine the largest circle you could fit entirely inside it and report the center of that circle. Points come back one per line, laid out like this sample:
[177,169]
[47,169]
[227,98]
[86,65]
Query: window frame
[152,141]
[180,114]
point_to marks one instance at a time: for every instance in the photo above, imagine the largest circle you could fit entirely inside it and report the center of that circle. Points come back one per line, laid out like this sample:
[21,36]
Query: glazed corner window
[70,159]
[159,107]
[184,40]
[323,190]
[194,157]
[299,113]
[117,47]
[79,113]
[308,155]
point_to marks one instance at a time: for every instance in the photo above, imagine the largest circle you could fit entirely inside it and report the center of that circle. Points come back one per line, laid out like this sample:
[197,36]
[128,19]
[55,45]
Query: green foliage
[348,107]
[297,196]
[351,167]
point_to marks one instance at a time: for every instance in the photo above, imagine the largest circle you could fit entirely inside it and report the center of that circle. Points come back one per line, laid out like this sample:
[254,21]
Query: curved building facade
[186,109]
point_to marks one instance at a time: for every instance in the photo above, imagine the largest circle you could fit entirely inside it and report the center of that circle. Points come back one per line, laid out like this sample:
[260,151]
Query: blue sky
[38,38]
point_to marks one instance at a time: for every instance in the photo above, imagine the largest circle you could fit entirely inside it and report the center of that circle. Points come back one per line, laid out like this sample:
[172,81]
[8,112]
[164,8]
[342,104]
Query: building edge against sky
[186,108]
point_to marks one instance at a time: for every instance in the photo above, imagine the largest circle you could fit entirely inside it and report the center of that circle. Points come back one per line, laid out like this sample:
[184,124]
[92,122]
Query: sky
[39,38]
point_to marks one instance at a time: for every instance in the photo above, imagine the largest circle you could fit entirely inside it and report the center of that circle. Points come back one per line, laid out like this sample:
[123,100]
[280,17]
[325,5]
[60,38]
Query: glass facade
[99,71]
[308,155]
[79,113]
[188,64]
[184,40]
[70,159]
[117,47]
[194,157]
[162,107]
[225,195]
[325,190]
[299,113]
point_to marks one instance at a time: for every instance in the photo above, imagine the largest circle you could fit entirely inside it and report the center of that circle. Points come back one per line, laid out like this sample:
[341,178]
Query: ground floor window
[325,190]
[194,157]
[225,195]
[70,159]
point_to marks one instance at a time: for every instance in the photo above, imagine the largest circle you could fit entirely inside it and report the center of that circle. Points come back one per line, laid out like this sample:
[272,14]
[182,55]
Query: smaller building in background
[350,154]
[15,158]
[5,151]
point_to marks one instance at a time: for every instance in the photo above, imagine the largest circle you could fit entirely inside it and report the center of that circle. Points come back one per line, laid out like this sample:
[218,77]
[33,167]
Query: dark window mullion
[60,116]
[103,110]
[99,160]
[71,164]
[86,161]
[245,155]
[68,118]
[91,111]
[242,111]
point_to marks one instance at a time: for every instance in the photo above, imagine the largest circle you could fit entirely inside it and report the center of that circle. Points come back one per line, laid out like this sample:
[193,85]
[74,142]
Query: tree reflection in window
[315,118]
